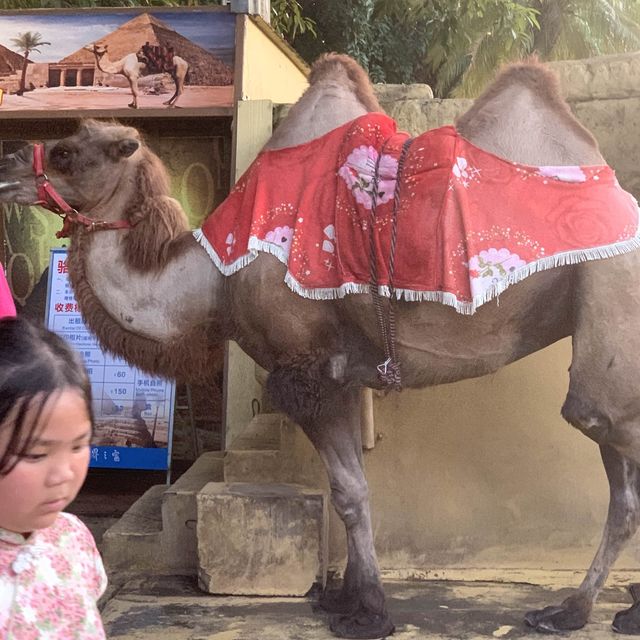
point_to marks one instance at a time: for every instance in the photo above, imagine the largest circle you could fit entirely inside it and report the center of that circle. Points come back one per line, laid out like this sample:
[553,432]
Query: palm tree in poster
[26,43]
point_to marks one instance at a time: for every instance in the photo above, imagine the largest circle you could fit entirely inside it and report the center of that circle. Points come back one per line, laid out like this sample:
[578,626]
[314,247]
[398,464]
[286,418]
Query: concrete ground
[490,604]
[173,608]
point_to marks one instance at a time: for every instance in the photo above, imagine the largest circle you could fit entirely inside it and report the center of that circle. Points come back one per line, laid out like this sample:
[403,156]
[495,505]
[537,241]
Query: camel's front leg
[329,415]
[622,522]
[133,85]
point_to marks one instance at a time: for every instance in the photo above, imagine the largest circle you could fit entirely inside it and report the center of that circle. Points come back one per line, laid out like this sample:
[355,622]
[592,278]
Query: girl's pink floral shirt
[50,583]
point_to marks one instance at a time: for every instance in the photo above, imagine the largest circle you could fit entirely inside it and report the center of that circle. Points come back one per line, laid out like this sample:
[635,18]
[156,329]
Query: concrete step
[179,513]
[262,433]
[261,539]
[134,542]
[157,533]
[253,466]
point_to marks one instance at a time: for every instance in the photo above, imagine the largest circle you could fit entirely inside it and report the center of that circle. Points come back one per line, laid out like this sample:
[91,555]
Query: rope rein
[388,371]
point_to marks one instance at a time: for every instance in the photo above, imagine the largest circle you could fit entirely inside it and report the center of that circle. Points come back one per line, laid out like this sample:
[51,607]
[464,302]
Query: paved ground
[172,608]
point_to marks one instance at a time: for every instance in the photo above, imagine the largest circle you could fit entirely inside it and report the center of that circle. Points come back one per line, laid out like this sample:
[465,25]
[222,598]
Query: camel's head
[97,48]
[90,168]
[106,173]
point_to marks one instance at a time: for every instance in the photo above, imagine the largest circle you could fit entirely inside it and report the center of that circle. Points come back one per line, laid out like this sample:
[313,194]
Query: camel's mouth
[8,186]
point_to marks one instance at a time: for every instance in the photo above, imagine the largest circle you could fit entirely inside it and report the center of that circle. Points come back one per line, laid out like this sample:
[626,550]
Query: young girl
[51,575]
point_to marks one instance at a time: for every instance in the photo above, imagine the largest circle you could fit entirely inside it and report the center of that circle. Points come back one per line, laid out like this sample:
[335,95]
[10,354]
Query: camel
[151,294]
[132,69]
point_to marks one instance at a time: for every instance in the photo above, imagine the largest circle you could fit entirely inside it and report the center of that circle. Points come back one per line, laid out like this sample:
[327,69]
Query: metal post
[260,8]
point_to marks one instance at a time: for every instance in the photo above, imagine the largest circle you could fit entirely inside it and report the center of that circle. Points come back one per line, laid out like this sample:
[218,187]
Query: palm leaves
[26,43]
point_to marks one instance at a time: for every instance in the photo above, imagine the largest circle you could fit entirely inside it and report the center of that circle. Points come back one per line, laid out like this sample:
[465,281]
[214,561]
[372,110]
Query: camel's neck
[324,106]
[161,304]
[106,66]
[168,321]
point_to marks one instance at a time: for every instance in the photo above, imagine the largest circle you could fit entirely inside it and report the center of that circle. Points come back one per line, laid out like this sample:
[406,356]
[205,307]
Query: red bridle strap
[50,199]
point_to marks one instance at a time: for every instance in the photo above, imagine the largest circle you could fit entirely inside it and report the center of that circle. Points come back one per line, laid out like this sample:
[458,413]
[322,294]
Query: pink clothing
[7,307]
[50,583]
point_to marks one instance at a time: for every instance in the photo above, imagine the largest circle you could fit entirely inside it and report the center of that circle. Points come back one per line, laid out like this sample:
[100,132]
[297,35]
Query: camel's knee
[582,414]
[350,502]
[620,431]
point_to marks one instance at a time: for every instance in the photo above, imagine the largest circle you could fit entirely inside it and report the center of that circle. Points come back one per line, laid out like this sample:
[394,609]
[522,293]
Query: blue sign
[133,410]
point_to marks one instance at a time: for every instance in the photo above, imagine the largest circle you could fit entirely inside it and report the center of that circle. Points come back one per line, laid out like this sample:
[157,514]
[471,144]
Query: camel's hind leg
[178,91]
[622,522]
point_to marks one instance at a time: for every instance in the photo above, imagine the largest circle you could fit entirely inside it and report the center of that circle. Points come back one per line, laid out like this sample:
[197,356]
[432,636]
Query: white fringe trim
[410,295]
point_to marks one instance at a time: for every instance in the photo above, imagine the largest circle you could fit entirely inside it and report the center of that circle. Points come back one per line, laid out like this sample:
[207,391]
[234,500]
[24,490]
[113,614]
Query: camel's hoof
[335,601]
[628,621]
[567,617]
[133,106]
[362,624]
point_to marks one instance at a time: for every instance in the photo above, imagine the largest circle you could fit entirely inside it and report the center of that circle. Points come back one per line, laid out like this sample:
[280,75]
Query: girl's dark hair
[34,364]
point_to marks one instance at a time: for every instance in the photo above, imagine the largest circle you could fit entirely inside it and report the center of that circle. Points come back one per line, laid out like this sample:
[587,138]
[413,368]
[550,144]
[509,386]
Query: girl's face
[48,477]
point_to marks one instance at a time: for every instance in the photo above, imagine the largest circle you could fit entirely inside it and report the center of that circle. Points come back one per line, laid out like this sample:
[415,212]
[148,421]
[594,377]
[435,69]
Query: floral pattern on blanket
[469,224]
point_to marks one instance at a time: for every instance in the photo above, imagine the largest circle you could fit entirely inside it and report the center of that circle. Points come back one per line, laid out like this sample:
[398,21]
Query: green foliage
[456,46]
[28,42]
[288,21]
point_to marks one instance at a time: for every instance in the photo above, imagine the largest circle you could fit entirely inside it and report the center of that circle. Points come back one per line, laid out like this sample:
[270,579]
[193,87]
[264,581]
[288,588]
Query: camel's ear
[124,148]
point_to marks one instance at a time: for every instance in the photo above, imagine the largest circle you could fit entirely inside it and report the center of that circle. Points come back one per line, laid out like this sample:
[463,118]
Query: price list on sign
[133,410]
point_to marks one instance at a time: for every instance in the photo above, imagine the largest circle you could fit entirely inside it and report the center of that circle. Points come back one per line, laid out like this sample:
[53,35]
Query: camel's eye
[61,157]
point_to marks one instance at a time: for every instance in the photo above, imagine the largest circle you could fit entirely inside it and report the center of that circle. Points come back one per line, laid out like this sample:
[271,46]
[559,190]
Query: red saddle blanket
[469,223]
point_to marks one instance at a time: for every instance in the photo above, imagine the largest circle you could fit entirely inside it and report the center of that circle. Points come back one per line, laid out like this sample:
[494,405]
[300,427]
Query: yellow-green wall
[267,72]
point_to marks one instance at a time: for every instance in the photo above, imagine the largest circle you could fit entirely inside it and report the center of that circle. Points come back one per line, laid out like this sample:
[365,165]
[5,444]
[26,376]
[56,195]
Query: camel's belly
[435,344]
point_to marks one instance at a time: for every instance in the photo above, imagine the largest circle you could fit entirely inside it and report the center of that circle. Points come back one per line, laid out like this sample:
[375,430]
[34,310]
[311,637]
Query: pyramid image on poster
[152,60]
[205,68]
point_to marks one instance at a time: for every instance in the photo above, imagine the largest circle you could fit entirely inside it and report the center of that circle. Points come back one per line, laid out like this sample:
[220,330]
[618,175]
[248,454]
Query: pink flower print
[280,236]
[460,168]
[330,236]
[492,267]
[463,172]
[230,241]
[358,172]
[563,173]
[328,246]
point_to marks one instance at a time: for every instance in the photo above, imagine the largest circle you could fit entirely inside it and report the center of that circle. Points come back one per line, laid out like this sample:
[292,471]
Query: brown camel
[152,295]
[132,69]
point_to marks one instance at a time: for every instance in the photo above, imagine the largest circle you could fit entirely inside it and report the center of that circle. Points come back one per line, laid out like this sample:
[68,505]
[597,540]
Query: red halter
[50,199]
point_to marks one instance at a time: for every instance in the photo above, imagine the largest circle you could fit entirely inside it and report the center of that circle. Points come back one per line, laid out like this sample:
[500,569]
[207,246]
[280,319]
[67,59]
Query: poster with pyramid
[113,60]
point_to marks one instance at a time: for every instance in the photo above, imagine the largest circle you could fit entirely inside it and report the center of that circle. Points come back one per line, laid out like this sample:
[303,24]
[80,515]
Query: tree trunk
[23,77]
[550,20]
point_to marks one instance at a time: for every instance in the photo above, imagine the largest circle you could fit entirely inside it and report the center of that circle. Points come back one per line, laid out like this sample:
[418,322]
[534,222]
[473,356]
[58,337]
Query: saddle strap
[389,371]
